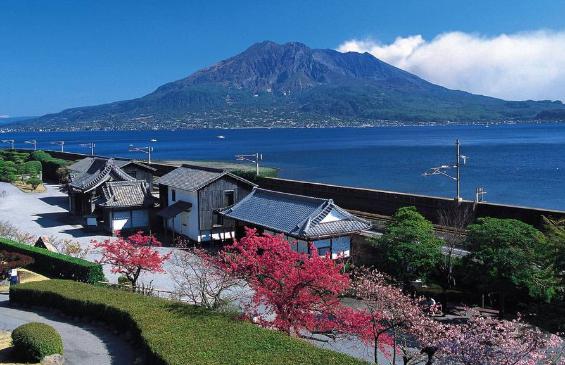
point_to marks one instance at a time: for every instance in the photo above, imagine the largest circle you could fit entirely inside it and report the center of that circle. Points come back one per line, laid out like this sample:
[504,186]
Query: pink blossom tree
[421,339]
[132,255]
[489,341]
[394,315]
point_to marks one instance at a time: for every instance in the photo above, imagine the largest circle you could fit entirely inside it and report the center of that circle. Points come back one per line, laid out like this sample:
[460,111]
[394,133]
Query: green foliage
[31,168]
[8,171]
[14,164]
[49,164]
[34,182]
[17,157]
[56,265]
[175,333]
[409,247]
[250,174]
[36,340]
[40,156]
[508,255]
[555,233]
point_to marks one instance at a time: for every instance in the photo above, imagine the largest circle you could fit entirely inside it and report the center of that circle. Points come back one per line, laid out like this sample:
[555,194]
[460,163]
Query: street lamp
[442,170]
[33,142]
[60,143]
[254,158]
[90,145]
[10,141]
[147,150]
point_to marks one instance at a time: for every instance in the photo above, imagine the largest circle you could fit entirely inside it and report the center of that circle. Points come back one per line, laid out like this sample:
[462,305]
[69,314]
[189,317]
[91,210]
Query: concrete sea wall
[380,202]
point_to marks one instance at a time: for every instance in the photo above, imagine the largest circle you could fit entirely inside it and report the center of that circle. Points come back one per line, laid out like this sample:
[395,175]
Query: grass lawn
[6,350]
[27,188]
[175,333]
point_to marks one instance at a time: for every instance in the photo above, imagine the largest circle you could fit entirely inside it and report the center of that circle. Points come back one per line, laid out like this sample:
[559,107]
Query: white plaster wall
[192,230]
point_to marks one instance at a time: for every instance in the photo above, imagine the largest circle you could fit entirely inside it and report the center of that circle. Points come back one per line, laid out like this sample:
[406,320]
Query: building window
[324,247]
[173,195]
[229,198]
[218,219]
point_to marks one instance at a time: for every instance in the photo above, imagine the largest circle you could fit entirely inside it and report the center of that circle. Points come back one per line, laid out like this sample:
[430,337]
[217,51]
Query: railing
[144,289]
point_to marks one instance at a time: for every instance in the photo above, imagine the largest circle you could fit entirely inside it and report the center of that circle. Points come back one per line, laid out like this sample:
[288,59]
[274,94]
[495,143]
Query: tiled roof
[193,179]
[91,164]
[295,215]
[125,194]
[175,209]
[98,173]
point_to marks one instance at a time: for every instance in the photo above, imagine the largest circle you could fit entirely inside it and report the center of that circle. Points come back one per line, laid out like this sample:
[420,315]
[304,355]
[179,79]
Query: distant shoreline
[7,129]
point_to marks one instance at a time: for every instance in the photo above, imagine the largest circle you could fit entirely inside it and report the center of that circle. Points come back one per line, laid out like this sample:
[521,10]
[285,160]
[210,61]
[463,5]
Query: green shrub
[174,333]
[34,182]
[36,340]
[49,164]
[31,168]
[56,265]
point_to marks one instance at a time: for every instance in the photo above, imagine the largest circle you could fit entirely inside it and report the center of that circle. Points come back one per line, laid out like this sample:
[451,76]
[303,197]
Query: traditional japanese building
[126,205]
[106,193]
[190,197]
[135,169]
[301,219]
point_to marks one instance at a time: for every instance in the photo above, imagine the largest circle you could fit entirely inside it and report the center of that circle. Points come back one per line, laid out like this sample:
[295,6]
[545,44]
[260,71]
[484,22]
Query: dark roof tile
[295,215]
[193,179]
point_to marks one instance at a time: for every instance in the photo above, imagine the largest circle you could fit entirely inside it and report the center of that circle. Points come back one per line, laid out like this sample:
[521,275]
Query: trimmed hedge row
[49,163]
[33,341]
[174,333]
[56,265]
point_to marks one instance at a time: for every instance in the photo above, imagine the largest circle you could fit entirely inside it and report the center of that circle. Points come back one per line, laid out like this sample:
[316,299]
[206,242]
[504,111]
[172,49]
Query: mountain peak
[271,83]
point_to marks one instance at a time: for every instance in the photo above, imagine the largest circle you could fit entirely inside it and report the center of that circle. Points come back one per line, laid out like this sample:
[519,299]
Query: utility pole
[90,145]
[60,143]
[33,142]
[254,158]
[10,141]
[479,195]
[458,164]
[147,150]
[442,170]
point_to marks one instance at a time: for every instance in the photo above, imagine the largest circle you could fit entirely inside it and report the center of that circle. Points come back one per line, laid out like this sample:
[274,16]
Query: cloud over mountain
[529,65]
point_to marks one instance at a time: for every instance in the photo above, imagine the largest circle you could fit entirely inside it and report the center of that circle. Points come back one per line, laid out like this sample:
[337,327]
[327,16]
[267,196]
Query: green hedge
[49,163]
[56,265]
[174,333]
[33,341]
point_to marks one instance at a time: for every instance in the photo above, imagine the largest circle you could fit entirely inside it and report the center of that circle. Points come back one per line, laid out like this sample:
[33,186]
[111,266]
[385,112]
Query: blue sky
[60,54]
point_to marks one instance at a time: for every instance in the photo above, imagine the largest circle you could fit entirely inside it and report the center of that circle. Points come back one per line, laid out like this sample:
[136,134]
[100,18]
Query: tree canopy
[508,255]
[410,250]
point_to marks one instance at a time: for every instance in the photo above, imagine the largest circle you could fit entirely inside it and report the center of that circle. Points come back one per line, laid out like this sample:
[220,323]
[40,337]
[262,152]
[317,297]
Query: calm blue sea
[517,164]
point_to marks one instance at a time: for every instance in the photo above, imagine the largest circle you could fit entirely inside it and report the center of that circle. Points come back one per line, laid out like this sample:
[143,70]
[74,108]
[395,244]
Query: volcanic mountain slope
[272,84]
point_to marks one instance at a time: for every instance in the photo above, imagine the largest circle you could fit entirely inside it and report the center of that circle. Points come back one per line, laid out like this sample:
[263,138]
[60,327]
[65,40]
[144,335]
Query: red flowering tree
[292,292]
[132,255]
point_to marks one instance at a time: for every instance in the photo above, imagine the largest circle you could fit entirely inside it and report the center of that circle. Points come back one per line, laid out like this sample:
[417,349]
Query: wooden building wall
[211,198]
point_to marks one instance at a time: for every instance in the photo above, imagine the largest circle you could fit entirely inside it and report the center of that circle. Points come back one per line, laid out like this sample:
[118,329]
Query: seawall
[380,202]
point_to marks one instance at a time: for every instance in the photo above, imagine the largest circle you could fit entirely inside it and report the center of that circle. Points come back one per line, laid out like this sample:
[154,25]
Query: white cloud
[517,66]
